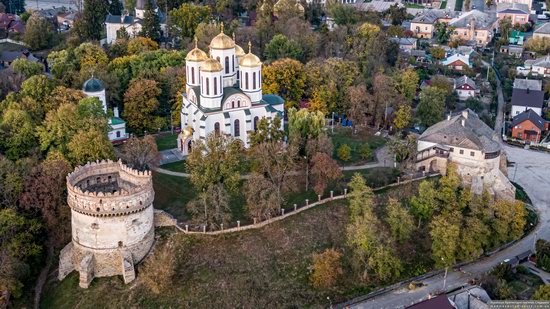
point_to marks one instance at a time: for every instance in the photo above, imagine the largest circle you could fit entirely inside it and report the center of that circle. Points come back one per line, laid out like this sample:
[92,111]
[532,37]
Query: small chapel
[94,87]
[223,93]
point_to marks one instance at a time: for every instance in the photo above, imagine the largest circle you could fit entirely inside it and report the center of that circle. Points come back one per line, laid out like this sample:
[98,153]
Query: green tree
[16,133]
[474,237]
[385,263]
[365,152]
[140,44]
[361,197]
[431,106]
[542,293]
[27,68]
[89,56]
[403,117]
[215,161]
[211,207]
[504,291]
[151,22]
[400,221]
[442,32]
[115,7]
[342,14]
[344,152]
[267,132]
[90,24]
[304,125]
[437,52]
[509,220]
[424,204]
[183,21]
[38,32]
[287,78]
[397,14]
[407,83]
[281,47]
[140,104]
[504,27]
[445,237]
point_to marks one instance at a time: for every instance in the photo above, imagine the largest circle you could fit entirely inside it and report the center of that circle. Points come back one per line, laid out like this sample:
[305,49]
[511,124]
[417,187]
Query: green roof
[117,120]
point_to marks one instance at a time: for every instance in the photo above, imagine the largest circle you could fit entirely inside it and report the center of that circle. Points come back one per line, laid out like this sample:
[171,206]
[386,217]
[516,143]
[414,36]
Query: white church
[93,87]
[224,93]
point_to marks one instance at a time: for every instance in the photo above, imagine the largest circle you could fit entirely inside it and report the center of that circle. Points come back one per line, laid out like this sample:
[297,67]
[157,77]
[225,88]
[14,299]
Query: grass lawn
[178,166]
[343,136]
[521,194]
[413,6]
[524,285]
[167,141]
[263,268]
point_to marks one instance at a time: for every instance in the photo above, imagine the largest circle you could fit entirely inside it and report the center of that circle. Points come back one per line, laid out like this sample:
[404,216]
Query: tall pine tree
[115,8]
[93,16]
[151,22]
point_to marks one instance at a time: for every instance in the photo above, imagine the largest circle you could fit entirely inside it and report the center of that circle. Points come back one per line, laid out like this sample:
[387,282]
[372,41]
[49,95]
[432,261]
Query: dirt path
[42,277]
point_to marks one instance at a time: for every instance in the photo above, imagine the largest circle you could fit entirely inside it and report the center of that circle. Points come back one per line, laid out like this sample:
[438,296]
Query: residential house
[472,297]
[524,83]
[542,31]
[539,66]
[524,99]
[66,20]
[11,23]
[405,44]
[518,13]
[472,146]
[132,24]
[7,57]
[375,5]
[465,87]
[475,27]
[423,25]
[525,2]
[512,50]
[516,38]
[457,62]
[528,126]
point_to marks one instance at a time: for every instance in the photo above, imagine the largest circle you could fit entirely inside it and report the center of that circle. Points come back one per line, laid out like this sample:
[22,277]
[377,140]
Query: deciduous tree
[16,133]
[267,132]
[89,146]
[38,32]
[385,263]
[184,20]
[287,78]
[432,105]
[445,234]
[141,44]
[281,47]
[327,267]
[140,153]
[324,170]
[403,117]
[400,220]
[424,204]
[211,207]
[27,68]
[509,220]
[141,103]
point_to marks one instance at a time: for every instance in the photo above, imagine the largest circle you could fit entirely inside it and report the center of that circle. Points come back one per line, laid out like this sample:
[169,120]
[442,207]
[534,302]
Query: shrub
[327,266]
[503,271]
[159,269]
[344,152]
[365,153]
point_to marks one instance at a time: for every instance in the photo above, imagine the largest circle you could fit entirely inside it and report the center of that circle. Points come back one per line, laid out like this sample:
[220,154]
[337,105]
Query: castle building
[224,93]
[112,221]
[466,141]
[93,87]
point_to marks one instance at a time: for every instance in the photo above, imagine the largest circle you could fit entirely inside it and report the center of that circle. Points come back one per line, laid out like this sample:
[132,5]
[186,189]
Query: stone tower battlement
[108,188]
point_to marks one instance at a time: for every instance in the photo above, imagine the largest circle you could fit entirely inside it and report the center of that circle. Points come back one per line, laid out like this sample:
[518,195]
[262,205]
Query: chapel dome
[283,4]
[196,54]
[93,85]
[250,60]
[239,51]
[211,65]
[222,41]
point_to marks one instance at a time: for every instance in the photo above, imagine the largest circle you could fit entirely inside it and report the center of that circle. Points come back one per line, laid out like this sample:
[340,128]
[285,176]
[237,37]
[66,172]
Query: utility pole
[445,277]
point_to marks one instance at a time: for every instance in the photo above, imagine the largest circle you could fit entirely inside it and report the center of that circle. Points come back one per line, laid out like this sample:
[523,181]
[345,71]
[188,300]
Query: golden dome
[283,4]
[222,41]
[239,51]
[211,65]
[196,54]
[250,60]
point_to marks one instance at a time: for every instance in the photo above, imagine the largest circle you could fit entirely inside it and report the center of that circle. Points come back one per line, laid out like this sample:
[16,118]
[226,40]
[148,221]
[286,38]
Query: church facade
[224,94]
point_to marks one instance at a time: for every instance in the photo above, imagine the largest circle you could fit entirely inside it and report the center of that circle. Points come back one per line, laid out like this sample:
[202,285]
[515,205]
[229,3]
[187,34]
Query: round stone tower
[112,221]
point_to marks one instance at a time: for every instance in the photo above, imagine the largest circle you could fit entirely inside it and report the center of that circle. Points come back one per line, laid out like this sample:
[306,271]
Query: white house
[539,66]
[465,87]
[457,61]
[224,94]
[132,24]
[469,143]
[93,87]
[524,99]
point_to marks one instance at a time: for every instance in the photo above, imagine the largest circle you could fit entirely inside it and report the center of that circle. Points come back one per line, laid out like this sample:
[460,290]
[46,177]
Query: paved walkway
[383,159]
[532,174]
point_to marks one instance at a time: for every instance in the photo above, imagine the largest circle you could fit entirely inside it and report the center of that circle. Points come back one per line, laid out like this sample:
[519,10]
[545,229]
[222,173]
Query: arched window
[232,104]
[226,65]
[193,75]
[239,103]
[217,128]
[207,86]
[246,81]
[117,135]
[233,61]
[256,123]
[215,85]
[254,80]
[236,128]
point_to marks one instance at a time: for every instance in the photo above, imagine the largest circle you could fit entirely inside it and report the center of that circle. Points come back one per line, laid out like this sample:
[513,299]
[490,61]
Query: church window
[236,128]
[217,128]
[226,65]
[233,61]
[192,75]
[255,123]
[254,80]
[246,81]
[215,85]
[117,135]
[232,104]
[207,86]
[238,103]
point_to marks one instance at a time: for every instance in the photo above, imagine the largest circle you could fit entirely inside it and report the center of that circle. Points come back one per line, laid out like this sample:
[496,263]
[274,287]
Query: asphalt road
[531,171]
[48,4]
